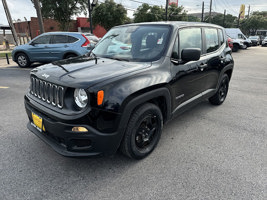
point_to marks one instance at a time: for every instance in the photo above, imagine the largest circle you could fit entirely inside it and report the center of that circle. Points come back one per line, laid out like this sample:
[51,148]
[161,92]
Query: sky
[24,8]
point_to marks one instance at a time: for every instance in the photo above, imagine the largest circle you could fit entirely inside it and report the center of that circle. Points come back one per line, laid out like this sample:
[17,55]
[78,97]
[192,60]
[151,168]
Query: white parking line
[3,87]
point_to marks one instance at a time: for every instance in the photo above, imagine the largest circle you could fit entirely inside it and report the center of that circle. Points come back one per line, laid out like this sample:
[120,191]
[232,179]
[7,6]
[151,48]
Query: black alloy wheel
[143,131]
[221,94]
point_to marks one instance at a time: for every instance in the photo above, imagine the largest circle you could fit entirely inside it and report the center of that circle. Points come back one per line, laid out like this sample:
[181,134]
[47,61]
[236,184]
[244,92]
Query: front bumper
[63,140]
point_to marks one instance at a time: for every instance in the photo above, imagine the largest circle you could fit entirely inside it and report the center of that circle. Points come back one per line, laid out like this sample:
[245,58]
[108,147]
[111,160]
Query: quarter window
[212,43]
[190,38]
[72,39]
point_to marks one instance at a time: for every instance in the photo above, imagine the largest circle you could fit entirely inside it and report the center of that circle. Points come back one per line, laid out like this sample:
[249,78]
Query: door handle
[45,46]
[66,46]
[202,66]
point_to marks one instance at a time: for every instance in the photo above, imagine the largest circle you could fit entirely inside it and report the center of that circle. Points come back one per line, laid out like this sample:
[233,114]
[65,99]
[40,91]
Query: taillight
[87,42]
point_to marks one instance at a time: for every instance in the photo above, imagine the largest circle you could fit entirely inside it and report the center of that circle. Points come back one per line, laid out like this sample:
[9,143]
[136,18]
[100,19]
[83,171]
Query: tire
[71,55]
[235,47]
[143,131]
[245,46]
[23,60]
[222,91]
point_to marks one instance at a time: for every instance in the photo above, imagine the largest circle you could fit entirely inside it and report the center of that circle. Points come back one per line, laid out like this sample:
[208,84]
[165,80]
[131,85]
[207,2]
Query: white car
[264,42]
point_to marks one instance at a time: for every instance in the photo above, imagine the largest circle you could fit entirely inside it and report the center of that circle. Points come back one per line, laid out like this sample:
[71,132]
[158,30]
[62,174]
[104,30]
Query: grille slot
[50,93]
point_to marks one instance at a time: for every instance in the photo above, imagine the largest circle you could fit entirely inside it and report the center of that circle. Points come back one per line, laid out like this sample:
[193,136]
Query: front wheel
[221,94]
[143,131]
[23,60]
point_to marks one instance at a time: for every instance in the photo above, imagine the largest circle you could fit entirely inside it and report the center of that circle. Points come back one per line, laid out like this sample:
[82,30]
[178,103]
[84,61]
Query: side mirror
[32,43]
[190,54]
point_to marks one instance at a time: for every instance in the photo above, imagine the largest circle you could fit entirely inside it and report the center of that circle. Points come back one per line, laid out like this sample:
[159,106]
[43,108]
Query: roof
[175,23]
[61,32]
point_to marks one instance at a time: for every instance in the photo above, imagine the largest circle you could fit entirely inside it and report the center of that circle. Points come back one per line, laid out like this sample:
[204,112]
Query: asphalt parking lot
[208,152]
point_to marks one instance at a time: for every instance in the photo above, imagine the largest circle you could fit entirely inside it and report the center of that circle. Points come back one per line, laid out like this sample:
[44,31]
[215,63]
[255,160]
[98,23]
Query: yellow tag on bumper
[38,122]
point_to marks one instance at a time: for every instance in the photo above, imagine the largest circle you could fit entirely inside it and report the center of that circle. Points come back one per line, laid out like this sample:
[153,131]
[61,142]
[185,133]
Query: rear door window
[212,42]
[59,39]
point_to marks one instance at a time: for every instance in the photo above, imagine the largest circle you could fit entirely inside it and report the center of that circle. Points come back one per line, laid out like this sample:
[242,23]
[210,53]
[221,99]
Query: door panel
[188,79]
[39,48]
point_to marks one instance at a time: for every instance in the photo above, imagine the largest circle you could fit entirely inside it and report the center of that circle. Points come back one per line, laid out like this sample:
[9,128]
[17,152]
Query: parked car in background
[255,40]
[92,38]
[264,42]
[237,44]
[230,42]
[236,33]
[52,46]
[118,98]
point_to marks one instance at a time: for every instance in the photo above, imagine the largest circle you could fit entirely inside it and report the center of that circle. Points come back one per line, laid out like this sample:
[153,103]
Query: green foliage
[192,18]
[63,10]
[109,14]
[256,21]
[177,13]
[228,22]
[147,13]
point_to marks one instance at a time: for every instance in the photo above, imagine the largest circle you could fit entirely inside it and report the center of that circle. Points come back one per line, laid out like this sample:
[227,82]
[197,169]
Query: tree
[109,14]
[192,18]
[254,23]
[62,11]
[177,13]
[229,21]
[147,13]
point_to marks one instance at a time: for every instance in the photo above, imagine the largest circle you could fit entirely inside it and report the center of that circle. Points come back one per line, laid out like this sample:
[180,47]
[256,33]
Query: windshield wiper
[94,56]
[119,59]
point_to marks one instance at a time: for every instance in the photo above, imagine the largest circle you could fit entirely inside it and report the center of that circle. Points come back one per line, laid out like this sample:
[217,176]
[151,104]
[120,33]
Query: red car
[230,42]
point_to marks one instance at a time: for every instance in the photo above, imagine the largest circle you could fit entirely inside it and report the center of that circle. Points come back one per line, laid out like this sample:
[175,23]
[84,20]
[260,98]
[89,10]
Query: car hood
[84,72]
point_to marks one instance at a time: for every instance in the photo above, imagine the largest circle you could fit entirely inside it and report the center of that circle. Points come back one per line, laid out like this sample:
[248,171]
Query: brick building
[29,29]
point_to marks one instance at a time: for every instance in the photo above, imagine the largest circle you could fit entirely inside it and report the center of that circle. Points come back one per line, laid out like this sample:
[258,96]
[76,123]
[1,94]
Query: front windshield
[134,43]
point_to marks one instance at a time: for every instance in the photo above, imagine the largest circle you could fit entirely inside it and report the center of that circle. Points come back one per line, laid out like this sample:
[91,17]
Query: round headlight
[80,97]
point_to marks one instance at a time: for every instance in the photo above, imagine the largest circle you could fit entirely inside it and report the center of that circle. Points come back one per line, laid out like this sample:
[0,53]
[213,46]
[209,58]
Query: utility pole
[224,18]
[248,10]
[202,15]
[90,16]
[210,11]
[166,12]
[9,19]
[39,15]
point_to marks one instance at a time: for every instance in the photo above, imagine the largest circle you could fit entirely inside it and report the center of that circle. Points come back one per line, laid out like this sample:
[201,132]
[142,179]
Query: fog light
[79,129]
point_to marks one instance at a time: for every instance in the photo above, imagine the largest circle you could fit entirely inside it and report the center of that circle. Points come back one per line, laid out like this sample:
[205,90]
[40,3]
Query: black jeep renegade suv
[136,79]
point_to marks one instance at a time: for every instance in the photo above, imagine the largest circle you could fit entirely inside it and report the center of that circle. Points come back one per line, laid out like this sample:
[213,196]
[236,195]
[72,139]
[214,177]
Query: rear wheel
[23,60]
[235,47]
[143,131]
[221,94]
[71,55]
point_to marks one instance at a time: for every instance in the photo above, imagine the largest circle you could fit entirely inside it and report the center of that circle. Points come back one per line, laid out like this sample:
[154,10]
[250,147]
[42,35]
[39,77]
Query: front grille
[48,92]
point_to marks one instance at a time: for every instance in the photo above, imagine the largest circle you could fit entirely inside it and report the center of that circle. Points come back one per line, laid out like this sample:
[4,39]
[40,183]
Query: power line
[143,2]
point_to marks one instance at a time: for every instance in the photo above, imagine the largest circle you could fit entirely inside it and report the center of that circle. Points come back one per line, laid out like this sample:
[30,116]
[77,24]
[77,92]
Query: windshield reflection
[134,43]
